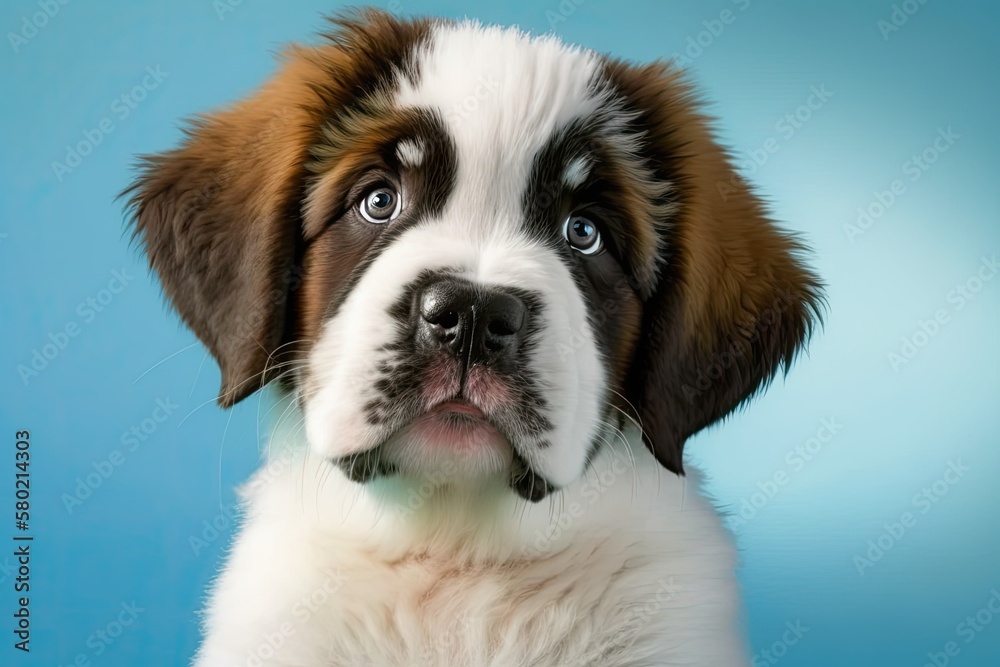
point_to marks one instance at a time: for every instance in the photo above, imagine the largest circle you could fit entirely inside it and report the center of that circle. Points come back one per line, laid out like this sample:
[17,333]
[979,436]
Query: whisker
[164,360]
[222,447]
[198,374]
[637,419]
[619,435]
[291,363]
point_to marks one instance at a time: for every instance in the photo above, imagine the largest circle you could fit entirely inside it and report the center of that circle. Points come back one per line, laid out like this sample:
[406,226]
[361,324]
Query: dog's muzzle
[475,337]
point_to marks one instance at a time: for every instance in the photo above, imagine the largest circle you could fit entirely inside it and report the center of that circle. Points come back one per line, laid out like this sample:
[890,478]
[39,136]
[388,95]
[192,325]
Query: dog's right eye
[582,235]
[381,205]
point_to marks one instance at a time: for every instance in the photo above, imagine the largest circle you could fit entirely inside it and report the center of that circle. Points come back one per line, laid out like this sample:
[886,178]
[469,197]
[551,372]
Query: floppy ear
[218,220]
[219,217]
[733,302]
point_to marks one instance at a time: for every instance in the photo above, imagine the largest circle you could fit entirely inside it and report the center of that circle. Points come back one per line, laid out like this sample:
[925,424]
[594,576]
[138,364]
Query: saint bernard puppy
[495,282]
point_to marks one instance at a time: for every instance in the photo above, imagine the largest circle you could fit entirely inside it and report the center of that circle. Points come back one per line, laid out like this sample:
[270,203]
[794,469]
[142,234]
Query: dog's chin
[453,438]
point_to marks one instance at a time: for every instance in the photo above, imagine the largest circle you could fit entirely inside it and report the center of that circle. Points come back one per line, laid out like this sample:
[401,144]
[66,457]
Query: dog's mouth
[453,435]
[465,435]
[460,411]
[456,424]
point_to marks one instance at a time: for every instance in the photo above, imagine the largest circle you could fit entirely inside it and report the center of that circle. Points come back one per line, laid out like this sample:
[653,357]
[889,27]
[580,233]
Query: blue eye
[380,205]
[582,234]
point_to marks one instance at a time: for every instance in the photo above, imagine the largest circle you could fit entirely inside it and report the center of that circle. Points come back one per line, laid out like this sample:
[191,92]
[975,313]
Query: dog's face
[465,245]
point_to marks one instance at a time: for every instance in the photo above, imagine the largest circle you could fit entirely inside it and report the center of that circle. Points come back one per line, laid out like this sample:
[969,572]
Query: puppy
[495,282]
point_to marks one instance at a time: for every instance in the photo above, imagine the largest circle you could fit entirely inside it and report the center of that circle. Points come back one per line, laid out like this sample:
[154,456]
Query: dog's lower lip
[461,407]
[458,425]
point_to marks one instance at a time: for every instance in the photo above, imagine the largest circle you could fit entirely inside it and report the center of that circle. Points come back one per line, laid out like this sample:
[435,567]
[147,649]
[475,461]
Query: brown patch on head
[732,302]
[357,152]
[219,216]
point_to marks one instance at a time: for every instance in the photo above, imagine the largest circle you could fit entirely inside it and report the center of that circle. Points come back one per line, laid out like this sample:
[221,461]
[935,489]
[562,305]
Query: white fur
[410,153]
[576,172]
[624,565]
[344,361]
[536,86]
[628,566]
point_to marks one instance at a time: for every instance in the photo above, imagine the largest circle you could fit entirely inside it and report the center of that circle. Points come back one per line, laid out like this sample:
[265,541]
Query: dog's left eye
[582,234]
[381,205]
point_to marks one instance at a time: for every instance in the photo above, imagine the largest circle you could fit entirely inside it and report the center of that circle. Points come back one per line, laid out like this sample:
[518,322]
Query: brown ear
[733,301]
[219,217]
[218,220]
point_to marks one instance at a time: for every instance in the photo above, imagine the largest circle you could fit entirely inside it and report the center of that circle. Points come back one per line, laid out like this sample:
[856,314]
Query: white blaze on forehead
[503,95]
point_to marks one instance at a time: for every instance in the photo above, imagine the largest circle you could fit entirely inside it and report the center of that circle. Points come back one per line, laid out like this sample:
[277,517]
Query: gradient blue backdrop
[897,430]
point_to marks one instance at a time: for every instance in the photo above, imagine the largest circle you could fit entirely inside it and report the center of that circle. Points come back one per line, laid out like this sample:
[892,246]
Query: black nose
[482,324]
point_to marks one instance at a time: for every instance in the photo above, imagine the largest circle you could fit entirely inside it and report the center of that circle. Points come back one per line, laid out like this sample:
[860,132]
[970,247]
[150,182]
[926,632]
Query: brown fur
[355,153]
[734,302]
[219,216]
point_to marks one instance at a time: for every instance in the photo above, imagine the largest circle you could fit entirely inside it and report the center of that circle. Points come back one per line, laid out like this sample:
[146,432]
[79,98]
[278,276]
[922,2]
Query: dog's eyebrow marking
[576,172]
[410,152]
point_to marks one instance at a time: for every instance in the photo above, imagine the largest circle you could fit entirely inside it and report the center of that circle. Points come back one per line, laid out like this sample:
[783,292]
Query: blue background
[897,429]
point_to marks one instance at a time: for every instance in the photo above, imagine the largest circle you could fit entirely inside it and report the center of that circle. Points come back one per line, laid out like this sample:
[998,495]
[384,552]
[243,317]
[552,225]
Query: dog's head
[465,244]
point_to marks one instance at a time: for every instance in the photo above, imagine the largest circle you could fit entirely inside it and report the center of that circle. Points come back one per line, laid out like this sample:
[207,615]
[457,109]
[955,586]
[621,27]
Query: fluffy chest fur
[629,566]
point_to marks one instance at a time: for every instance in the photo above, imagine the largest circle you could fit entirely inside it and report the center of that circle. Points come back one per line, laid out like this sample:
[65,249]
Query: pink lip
[460,407]
[457,425]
